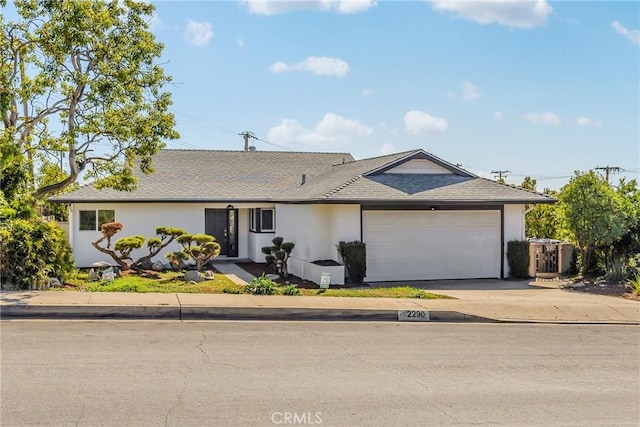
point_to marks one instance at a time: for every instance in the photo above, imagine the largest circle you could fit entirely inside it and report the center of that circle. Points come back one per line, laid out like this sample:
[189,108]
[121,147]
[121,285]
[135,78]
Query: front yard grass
[172,282]
[395,292]
[163,282]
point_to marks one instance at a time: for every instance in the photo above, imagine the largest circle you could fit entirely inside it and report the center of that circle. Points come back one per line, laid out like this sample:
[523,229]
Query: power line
[608,169]
[500,173]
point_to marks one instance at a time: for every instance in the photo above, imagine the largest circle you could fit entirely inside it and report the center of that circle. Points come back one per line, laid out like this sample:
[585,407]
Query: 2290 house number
[413,315]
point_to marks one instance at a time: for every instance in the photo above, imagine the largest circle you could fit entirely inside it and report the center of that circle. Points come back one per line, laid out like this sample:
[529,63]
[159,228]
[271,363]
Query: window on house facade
[263,220]
[92,220]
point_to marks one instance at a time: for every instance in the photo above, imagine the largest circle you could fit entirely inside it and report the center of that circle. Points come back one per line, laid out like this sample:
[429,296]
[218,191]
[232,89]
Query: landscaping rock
[93,275]
[193,276]
[157,266]
[146,265]
[54,282]
[209,275]
[272,276]
[577,285]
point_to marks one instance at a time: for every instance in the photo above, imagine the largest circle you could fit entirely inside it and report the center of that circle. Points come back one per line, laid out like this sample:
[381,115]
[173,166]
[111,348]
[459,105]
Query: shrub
[200,247]
[278,255]
[354,255]
[121,253]
[290,290]
[616,269]
[31,251]
[634,285]
[518,257]
[633,265]
[261,286]
[232,291]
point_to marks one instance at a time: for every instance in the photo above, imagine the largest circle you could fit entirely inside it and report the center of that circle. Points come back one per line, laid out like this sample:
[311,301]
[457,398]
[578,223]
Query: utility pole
[607,170]
[246,135]
[499,174]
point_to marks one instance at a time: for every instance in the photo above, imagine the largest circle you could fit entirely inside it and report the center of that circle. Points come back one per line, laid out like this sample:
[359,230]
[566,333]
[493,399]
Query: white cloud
[240,43]
[498,116]
[330,130]
[367,92]
[275,7]
[587,122]
[469,91]
[511,13]
[198,33]
[547,118]
[320,65]
[632,35]
[421,123]
[155,23]
[386,149]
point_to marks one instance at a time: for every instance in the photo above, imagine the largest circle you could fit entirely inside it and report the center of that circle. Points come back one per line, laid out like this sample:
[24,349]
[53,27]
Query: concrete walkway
[521,302]
[234,273]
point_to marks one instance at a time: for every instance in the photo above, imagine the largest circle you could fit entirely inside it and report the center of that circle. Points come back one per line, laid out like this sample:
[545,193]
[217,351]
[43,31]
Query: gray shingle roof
[207,175]
[231,176]
[351,182]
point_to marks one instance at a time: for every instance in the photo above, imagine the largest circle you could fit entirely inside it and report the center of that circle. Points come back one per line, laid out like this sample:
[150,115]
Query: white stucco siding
[257,241]
[346,223]
[316,230]
[142,219]
[513,229]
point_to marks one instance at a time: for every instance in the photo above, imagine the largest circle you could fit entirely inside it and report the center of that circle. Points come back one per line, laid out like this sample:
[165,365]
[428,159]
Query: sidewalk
[520,304]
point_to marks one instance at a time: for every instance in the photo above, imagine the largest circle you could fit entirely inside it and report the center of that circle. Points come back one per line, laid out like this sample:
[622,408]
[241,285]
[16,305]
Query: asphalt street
[149,373]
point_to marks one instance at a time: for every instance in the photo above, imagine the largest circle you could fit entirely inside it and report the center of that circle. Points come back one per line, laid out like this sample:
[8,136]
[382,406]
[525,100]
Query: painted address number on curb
[413,315]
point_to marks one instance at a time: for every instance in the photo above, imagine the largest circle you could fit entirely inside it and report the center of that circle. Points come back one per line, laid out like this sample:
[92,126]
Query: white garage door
[428,245]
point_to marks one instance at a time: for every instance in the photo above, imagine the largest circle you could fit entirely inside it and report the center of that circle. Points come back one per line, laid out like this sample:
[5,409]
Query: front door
[223,225]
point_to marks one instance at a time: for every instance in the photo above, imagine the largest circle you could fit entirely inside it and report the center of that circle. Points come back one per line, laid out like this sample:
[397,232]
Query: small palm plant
[634,284]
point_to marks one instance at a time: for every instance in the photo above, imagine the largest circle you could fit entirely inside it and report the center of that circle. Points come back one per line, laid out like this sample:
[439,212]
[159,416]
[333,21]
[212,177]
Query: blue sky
[539,88]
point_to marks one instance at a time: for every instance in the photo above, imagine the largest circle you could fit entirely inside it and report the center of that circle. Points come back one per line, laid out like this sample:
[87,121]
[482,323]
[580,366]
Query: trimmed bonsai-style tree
[278,255]
[121,252]
[165,235]
[200,247]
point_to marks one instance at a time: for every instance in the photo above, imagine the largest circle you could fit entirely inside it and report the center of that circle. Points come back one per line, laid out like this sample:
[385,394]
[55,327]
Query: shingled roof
[232,176]
[213,175]
[363,181]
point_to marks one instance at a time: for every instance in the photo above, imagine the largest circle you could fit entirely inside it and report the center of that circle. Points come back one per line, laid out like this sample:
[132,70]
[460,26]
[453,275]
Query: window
[263,220]
[266,220]
[93,220]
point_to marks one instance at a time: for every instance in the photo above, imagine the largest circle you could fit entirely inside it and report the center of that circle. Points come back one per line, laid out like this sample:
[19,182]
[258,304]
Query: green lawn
[395,292]
[171,282]
[164,282]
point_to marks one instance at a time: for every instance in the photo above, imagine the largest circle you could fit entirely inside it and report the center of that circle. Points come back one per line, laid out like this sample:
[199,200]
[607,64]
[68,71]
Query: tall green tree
[595,214]
[544,220]
[80,78]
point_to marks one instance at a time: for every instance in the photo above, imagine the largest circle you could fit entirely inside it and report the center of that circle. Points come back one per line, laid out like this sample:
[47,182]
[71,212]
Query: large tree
[80,82]
[544,220]
[595,213]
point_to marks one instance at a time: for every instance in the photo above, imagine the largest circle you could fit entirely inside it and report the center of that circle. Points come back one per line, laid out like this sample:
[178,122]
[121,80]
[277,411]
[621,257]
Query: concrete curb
[21,311]
[187,312]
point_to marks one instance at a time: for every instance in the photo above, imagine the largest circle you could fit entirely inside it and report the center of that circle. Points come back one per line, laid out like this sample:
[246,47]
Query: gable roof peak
[419,153]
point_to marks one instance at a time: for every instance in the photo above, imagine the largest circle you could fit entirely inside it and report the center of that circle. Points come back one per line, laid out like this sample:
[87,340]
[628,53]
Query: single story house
[420,217]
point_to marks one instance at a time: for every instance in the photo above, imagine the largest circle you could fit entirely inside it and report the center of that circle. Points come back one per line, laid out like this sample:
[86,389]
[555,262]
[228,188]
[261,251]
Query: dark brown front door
[223,225]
